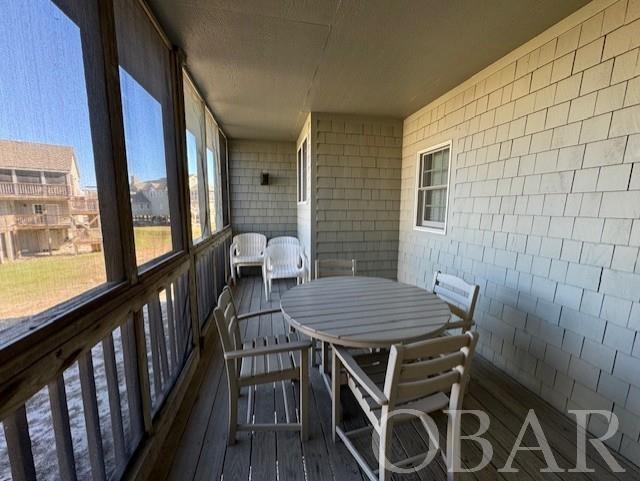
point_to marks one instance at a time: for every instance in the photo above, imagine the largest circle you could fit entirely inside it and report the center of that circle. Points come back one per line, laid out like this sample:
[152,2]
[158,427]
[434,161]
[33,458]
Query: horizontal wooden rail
[129,356]
[34,359]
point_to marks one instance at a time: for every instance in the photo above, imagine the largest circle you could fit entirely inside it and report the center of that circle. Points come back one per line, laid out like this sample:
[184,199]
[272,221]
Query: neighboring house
[150,200]
[42,206]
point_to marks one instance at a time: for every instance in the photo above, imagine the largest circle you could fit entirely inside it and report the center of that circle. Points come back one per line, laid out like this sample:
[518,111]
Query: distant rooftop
[35,156]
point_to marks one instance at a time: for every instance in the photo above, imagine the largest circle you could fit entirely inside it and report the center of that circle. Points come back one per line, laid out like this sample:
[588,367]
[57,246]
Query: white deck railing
[34,190]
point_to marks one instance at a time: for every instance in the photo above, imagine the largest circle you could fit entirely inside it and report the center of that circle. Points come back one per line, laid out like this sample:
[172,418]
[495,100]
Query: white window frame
[436,228]
[302,172]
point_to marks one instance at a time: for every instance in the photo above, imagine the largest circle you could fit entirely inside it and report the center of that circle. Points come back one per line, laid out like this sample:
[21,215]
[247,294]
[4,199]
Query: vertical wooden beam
[91,416]
[154,346]
[155,318]
[178,60]
[16,433]
[115,410]
[173,347]
[117,171]
[134,393]
[143,371]
[62,429]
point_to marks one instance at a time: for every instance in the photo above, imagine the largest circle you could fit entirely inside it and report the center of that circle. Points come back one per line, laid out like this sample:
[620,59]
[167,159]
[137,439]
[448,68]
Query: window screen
[213,174]
[195,134]
[147,104]
[54,125]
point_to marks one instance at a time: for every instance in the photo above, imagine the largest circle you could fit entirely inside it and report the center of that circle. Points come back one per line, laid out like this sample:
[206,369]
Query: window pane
[194,119]
[59,178]
[28,177]
[51,126]
[145,83]
[213,175]
[434,205]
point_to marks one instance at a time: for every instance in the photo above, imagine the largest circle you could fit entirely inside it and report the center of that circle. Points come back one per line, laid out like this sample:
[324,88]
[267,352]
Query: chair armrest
[276,348]
[258,313]
[360,376]
[461,323]
[232,249]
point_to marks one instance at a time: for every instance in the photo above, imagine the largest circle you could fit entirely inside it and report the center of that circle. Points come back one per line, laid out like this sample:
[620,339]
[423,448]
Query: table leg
[325,357]
[336,411]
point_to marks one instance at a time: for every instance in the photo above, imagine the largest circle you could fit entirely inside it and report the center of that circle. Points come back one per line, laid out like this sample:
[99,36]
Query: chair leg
[384,449]
[453,444]
[304,394]
[233,416]
[266,290]
[336,413]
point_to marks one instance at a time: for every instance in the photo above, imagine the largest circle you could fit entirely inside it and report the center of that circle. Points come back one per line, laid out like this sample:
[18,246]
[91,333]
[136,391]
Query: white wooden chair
[246,250]
[262,360]
[460,296]
[334,267]
[283,240]
[283,261]
[418,377]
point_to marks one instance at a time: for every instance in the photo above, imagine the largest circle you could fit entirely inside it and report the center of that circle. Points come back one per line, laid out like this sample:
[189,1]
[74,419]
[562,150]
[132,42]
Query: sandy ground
[40,423]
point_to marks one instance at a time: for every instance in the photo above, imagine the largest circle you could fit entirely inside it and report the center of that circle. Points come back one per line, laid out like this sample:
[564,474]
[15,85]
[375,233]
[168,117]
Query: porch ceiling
[262,64]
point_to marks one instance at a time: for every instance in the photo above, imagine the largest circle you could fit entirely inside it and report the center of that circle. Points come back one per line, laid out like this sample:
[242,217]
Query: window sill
[430,230]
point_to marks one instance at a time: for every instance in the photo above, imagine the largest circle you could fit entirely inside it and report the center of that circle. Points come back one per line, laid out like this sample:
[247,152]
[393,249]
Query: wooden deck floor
[200,451]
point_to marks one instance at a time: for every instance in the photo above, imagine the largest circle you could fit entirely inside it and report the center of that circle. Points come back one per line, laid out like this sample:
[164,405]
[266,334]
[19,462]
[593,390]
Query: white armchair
[246,250]
[284,240]
[283,261]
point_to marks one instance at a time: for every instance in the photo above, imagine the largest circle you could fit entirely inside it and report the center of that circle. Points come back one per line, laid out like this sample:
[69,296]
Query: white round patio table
[364,312]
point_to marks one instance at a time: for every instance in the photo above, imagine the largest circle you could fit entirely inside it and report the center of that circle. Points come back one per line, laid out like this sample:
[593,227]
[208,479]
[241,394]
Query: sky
[43,94]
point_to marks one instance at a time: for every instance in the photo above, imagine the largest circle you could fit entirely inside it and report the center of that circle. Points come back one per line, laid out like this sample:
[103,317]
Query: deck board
[200,452]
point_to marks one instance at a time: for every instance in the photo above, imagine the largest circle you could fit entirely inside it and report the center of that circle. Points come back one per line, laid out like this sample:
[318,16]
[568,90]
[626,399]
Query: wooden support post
[115,412]
[143,372]
[132,380]
[62,429]
[91,416]
[16,433]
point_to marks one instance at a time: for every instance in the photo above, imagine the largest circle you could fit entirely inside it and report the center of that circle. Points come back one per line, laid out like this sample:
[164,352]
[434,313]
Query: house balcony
[35,221]
[18,190]
[84,206]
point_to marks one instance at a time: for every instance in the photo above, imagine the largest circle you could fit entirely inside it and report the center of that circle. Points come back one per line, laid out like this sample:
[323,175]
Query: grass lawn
[31,285]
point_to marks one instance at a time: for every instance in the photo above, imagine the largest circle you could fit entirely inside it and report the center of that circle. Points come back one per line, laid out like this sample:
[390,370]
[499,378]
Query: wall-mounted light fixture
[264,178]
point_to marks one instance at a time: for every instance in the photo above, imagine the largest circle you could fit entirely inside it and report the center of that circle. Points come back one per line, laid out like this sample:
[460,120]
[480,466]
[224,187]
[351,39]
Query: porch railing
[84,205]
[39,220]
[34,190]
[107,380]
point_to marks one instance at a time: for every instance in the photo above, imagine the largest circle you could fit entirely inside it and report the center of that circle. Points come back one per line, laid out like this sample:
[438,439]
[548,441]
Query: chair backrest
[226,319]
[428,367]
[283,255]
[250,244]
[458,294]
[284,240]
[335,267]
